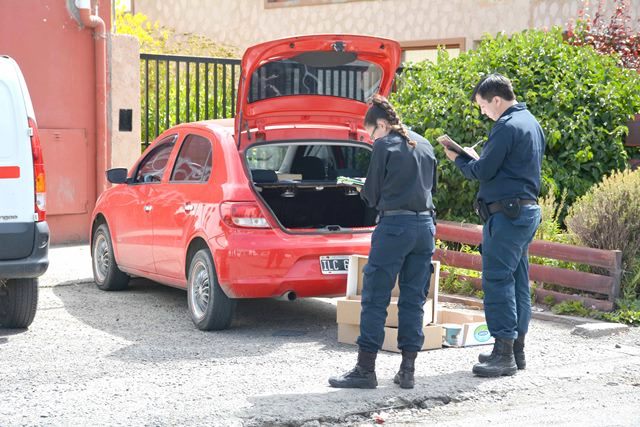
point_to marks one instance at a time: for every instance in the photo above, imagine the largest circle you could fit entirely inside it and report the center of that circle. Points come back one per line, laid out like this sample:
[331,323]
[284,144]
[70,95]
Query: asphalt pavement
[135,358]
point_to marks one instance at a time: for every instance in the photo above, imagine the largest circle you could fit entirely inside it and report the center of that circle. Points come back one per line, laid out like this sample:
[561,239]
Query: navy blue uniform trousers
[401,246]
[505,271]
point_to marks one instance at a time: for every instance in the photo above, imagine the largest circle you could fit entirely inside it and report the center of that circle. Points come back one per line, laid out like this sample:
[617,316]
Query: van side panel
[16,167]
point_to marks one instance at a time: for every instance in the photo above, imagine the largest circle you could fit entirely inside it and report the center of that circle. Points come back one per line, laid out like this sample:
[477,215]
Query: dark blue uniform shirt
[510,163]
[400,176]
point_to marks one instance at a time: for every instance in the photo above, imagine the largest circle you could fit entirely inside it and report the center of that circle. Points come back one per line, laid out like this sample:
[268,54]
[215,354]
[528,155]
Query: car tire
[209,306]
[18,303]
[106,274]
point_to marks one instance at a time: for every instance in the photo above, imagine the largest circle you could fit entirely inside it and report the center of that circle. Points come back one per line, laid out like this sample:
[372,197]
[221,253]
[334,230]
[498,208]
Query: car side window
[193,163]
[153,165]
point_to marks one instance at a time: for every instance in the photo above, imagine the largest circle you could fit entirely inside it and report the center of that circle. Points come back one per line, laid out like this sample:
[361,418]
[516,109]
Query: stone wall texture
[242,23]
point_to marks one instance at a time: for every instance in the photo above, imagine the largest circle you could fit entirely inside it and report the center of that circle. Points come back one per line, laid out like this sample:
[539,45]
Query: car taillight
[243,214]
[40,196]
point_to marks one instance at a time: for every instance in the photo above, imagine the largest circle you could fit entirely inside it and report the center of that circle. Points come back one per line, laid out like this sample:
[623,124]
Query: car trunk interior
[329,208]
[298,182]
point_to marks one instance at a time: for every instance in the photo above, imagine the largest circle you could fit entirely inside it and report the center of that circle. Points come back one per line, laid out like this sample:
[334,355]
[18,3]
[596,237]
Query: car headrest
[263,176]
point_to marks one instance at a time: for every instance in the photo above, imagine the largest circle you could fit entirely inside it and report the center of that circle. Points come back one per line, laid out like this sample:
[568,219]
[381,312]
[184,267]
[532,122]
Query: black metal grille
[179,89]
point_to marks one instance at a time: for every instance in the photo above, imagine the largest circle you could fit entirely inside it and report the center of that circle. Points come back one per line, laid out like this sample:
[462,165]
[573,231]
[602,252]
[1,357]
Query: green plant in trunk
[583,101]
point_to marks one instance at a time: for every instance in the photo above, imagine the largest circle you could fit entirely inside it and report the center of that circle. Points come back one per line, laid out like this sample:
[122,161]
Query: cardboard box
[463,328]
[348,311]
[354,283]
[348,334]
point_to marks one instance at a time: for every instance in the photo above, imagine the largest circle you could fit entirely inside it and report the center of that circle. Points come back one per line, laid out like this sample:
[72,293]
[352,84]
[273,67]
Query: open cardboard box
[354,284]
[348,311]
[471,328]
[348,334]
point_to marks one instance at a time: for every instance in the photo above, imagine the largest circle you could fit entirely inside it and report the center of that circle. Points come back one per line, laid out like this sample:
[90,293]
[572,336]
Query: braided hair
[380,108]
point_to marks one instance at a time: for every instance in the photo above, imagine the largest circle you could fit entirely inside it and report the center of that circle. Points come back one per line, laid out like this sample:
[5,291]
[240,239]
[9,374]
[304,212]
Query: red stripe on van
[8,172]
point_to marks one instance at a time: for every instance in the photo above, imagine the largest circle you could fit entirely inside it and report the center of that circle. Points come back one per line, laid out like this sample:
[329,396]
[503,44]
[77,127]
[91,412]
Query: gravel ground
[135,358]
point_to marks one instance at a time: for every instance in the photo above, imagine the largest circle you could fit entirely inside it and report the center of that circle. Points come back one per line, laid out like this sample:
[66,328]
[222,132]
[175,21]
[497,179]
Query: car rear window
[317,161]
[338,74]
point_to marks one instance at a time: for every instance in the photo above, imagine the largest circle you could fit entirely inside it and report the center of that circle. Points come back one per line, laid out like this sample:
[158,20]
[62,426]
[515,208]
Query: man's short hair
[493,85]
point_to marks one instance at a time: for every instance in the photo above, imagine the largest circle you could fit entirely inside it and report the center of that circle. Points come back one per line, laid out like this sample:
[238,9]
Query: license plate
[337,264]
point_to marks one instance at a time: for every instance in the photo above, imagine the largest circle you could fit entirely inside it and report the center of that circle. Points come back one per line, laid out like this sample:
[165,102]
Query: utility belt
[509,207]
[428,212]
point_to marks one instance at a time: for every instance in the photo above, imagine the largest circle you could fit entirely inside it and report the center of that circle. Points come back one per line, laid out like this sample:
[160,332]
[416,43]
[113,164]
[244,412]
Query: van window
[194,160]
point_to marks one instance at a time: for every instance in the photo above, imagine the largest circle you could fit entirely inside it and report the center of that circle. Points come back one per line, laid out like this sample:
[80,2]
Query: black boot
[502,363]
[404,377]
[362,376]
[518,353]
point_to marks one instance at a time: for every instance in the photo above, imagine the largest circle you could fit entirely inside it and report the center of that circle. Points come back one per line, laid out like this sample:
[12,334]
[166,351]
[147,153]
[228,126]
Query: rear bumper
[267,266]
[35,264]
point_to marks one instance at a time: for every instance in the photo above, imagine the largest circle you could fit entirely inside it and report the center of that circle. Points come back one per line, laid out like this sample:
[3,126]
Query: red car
[251,207]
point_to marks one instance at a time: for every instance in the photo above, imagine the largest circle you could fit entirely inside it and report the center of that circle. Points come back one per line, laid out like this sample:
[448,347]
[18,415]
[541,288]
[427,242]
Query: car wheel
[18,302]
[209,307]
[106,273]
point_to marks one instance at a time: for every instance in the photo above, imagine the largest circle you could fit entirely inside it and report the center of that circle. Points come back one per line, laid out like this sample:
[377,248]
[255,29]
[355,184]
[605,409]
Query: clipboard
[446,141]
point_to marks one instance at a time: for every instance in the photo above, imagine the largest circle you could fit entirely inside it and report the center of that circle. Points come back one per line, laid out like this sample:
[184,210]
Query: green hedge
[583,101]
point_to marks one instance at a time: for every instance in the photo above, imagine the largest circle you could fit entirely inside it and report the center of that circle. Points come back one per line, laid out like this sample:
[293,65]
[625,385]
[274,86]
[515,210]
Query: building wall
[241,23]
[57,59]
[125,95]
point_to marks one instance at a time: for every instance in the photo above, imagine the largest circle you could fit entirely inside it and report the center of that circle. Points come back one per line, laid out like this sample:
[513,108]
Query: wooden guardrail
[606,285]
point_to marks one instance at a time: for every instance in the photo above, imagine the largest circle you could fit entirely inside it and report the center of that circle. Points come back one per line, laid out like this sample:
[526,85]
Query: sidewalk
[68,264]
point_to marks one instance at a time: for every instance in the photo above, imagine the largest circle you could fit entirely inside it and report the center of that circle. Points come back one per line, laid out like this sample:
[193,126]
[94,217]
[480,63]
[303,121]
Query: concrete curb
[538,315]
[597,330]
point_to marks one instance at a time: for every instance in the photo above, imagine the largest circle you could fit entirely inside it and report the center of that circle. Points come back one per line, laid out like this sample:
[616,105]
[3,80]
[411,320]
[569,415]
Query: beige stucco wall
[241,23]
[125,94]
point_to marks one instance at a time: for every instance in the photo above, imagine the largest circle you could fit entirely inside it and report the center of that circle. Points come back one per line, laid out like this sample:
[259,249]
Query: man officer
[509,175]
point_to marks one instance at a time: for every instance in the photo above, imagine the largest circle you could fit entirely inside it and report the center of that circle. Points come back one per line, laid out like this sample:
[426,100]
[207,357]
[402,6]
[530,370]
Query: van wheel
[106,273]
[18,303]
[209,307]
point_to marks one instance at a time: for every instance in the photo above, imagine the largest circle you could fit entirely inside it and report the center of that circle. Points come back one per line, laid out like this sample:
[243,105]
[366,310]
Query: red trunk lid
[312,80]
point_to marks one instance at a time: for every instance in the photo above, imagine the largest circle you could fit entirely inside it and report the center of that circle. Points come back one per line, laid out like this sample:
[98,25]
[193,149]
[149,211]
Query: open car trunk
[298,182]
[323,208]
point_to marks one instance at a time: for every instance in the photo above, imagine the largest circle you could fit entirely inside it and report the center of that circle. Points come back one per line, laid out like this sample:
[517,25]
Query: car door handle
[148,208]
[188,207]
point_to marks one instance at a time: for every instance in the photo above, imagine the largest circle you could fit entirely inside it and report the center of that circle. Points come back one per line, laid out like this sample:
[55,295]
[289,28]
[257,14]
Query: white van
[24,233]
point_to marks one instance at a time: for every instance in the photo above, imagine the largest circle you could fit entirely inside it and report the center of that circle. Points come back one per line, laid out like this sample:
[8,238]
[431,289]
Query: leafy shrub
[613,37]
[608,217]
[583,101]
[575,308]
[623,316]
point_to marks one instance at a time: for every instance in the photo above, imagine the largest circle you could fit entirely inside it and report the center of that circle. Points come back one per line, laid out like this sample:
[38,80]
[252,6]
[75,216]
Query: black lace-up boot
[501,363]
[518,353]
[405,376]
[362,376]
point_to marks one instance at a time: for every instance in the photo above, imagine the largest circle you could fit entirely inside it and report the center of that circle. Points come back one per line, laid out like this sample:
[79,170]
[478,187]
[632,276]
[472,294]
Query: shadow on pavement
[155,319]
[9,332]
[296,409]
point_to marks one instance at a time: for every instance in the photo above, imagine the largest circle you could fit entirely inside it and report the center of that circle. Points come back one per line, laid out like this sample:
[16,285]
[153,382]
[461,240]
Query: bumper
[35,264]
[268,266]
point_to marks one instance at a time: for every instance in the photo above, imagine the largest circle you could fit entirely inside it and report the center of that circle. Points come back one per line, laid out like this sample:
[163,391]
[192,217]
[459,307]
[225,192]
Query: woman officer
[399,185]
